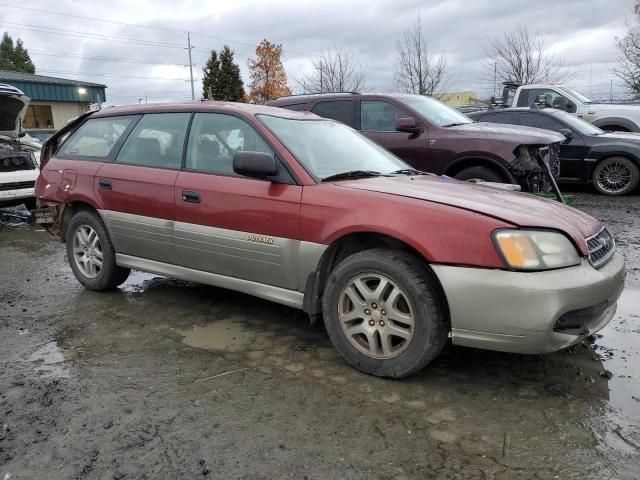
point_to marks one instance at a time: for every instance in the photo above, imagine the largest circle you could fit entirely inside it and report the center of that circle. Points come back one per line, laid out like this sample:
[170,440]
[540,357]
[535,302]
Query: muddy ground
[166,379]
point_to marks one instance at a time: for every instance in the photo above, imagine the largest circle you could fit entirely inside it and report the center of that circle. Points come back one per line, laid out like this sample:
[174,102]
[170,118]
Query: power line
[82,17]
[109,75]
[108,59]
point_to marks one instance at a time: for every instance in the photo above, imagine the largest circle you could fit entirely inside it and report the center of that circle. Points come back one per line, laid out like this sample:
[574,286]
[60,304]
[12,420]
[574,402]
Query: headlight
[535,249]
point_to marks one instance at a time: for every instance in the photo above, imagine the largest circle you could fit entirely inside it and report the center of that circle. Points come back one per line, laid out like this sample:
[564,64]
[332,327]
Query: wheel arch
[619,122]
[479,161]
[345,246]
[69,210]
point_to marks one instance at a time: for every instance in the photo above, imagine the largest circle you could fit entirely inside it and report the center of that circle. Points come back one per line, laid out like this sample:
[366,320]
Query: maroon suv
[432,137]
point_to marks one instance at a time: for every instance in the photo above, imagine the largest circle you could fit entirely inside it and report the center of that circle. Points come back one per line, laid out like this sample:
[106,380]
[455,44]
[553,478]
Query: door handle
[105,184]
[190,196]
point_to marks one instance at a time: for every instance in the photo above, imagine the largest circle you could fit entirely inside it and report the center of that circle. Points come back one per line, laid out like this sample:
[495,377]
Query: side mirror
[254,164]
[567,133]
[408,125]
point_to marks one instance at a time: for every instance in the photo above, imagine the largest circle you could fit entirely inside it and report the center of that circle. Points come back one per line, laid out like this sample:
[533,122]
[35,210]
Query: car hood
[520,209]
[622,136]
[13,107]
[514,133]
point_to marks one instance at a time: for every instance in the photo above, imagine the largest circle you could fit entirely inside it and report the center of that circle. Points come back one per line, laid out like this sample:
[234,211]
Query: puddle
[619,348]
[231,335]
[51,361]
[137,281]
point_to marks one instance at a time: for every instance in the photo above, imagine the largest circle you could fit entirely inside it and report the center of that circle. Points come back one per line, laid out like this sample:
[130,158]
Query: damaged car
[18,151]
[433,137]
[305,211]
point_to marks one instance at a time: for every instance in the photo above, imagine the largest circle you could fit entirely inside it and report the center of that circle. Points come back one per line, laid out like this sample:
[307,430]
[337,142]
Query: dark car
[432,137]
[609,160]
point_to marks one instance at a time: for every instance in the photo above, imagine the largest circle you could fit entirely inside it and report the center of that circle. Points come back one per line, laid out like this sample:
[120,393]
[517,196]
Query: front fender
[617,122]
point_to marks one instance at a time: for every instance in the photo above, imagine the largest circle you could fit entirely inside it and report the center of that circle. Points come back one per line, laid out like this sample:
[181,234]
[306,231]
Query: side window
[379,116]
[497,118]
[156,141]
[214,140]
[296,107]
[96,137]
[538,120]
[340,110]
[554,99]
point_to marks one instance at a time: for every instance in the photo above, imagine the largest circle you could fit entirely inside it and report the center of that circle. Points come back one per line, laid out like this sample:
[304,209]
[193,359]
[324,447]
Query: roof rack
[312,94]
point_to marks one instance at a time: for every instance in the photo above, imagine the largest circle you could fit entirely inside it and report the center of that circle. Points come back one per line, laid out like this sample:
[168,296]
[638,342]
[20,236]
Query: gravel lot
[167,379]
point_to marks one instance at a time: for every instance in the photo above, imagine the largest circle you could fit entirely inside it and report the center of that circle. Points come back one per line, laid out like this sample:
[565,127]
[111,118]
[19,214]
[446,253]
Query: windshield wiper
[352,174]
[407,171]
[455,124]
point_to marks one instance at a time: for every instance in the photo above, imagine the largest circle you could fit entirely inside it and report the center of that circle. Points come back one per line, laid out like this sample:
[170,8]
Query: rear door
[136,189]
[232,225]
[378,122]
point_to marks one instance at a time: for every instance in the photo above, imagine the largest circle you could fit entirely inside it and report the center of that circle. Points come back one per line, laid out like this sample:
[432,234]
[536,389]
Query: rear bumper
[530,312]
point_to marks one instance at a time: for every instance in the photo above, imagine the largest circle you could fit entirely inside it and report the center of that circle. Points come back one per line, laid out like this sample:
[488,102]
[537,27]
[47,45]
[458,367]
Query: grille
[601,247]
[17,185]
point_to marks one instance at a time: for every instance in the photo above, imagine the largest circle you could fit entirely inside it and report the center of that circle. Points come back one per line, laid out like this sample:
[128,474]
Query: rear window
[96,137]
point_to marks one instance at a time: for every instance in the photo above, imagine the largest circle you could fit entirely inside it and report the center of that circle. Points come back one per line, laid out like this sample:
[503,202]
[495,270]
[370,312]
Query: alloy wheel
[376,316]
[87,251]
[614,177]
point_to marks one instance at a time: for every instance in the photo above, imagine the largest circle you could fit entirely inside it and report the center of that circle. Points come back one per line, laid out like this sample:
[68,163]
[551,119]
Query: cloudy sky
[138,49]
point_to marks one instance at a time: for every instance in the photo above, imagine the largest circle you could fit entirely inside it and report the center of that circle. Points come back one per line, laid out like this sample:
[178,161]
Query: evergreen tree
[21,59]
[222,76]
[229,84]
[14,58]
[210,74]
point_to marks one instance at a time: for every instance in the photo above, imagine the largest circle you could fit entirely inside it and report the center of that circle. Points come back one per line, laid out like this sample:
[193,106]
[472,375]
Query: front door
[378,122]
[136,190]
[232,225]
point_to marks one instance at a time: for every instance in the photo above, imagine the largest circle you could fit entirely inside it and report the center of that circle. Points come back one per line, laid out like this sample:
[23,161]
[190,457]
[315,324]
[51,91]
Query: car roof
[516,109]
[307,98]
[203,106]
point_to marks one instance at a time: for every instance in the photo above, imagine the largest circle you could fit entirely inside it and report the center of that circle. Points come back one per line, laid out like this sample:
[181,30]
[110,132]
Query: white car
[19,153]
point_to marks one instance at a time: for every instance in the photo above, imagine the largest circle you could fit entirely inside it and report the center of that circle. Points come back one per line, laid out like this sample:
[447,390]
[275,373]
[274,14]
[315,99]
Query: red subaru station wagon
[307,212]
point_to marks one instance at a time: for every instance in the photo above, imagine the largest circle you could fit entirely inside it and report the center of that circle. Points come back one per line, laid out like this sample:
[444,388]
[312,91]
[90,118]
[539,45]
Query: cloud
[580,31]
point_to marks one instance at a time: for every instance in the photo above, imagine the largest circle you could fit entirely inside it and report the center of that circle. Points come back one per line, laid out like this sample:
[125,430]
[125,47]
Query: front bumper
[518,311]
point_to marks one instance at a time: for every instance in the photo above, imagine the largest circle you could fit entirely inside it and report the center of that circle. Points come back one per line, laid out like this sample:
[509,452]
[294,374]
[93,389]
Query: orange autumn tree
[268,78]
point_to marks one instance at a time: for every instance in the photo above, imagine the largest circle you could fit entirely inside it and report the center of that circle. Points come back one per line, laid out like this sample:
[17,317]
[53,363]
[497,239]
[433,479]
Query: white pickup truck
[609,117]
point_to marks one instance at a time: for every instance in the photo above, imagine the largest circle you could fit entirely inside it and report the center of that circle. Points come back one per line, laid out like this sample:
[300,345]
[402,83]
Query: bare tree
[519,56]
[336,70]
[629,69]
[417,69]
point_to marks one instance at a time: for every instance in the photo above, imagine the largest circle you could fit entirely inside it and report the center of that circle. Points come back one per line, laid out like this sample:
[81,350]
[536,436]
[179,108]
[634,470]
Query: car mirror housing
[254,164]
[408,125]
[567,133]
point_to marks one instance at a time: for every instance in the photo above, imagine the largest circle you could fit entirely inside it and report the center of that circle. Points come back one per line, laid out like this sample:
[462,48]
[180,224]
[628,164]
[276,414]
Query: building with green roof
[54,101]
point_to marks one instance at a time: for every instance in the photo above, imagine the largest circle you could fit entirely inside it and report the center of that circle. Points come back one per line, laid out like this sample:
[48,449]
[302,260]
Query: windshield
[328,148]
[434,111]
[576,94]
[577,124]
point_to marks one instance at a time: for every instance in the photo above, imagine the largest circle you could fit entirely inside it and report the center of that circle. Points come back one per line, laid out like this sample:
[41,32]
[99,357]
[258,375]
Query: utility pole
[611,92]
[590,77]
[189,47]
[321,90]
[210,93]
[495,78]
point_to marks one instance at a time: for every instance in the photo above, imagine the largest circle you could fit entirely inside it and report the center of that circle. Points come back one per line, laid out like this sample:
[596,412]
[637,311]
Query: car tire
[615,176]
[415,298]
[30,204]
[479,173]
[88,240]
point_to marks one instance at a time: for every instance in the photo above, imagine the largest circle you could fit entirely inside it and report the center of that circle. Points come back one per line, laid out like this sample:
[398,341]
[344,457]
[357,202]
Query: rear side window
[340,110]
[496,118]
[96,137]
[214,140]
[156,141]
[379,116]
